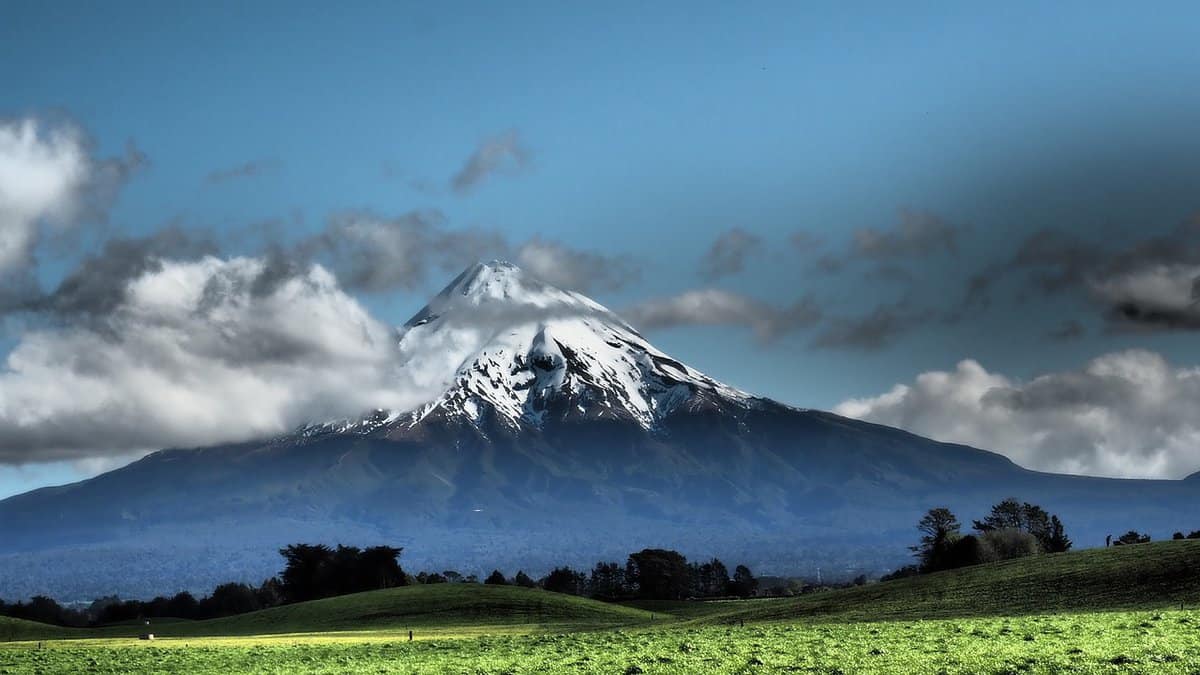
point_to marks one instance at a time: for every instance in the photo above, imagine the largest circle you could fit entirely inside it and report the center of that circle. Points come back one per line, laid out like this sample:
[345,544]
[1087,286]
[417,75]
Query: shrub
[1007,544]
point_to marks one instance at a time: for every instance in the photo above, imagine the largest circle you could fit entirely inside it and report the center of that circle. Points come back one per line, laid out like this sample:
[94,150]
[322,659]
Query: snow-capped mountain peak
[500,340]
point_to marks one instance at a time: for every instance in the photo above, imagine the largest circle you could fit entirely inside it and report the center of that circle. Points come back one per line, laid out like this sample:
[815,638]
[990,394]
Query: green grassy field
[1103,611]
[1146,576]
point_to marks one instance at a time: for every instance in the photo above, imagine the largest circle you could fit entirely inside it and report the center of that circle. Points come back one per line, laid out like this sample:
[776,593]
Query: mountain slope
[556,434]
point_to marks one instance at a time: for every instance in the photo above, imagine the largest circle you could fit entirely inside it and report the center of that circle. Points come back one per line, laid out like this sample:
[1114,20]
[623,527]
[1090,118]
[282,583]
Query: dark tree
[939,530]
[743,584]
[524,580]
[658,573]
[183,606]
[1178,536]
[710,579]
[1007,515]
[1057,542]
[496,578]
[270,593]
[229,599]
[1011,514]
[316,571]
[379,567]
[565,580]
[306,571]
[608,581]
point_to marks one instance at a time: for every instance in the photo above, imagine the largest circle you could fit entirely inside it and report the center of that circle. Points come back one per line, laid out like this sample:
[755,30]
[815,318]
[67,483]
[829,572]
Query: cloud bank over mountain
[194,355]
[1124,414]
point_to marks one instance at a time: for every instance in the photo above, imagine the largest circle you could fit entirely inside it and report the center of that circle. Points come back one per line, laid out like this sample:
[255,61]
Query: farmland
[1116,610]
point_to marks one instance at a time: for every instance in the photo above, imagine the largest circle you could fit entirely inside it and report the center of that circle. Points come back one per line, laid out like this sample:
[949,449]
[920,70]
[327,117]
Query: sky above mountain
[979,224]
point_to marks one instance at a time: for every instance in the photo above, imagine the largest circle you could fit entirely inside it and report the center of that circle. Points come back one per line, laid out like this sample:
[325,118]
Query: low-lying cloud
[191,355]
[1125,414]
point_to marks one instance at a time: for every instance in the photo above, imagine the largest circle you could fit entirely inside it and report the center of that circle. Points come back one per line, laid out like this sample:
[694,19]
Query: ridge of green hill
[394,610]
[15,630]
[1143,576]
[431,606]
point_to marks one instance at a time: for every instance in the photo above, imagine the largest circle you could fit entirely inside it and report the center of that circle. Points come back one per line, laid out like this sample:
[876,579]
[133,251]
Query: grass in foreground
[1117,642]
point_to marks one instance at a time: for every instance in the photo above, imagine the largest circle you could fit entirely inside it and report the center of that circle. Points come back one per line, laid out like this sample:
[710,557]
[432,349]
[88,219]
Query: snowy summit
[499,342]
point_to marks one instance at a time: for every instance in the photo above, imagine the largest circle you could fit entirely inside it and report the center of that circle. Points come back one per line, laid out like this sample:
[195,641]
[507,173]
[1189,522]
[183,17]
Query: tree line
[1012,529]
[310,572]
[314,571]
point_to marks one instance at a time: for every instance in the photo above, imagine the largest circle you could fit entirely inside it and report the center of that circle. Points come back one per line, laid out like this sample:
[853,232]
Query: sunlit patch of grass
[1101,642]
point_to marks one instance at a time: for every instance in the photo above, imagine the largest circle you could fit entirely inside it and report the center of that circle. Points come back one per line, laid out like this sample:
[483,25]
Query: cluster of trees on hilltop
[1012,529]
[313,571]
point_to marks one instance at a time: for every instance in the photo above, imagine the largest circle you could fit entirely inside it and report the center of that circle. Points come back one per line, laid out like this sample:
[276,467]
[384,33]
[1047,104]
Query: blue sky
[650,130]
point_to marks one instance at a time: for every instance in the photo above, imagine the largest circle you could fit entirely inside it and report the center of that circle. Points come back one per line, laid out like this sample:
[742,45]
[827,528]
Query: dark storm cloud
[873,330]
[503,154]
[1138,280]
[254,167]
[98,285]
[728,253]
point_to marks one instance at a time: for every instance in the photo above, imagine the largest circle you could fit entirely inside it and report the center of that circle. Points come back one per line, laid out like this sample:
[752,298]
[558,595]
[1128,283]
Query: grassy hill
[459,608]
[1145,576]
[12,630]
[425,607]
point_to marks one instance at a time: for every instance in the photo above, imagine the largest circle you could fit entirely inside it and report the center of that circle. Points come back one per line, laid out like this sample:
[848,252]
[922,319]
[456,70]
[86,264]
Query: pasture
[1105,611]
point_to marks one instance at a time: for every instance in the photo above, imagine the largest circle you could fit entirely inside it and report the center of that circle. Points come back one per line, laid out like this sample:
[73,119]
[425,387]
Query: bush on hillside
[1132,537]
[1007,544]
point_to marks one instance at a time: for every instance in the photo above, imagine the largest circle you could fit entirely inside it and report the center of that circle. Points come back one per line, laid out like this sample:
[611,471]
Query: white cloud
[714,307]
[1129,414]
[1157,296]
[49,179]
[196,354]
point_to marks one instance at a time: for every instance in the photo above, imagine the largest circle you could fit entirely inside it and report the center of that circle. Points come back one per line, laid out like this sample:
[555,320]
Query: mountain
[555,434]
